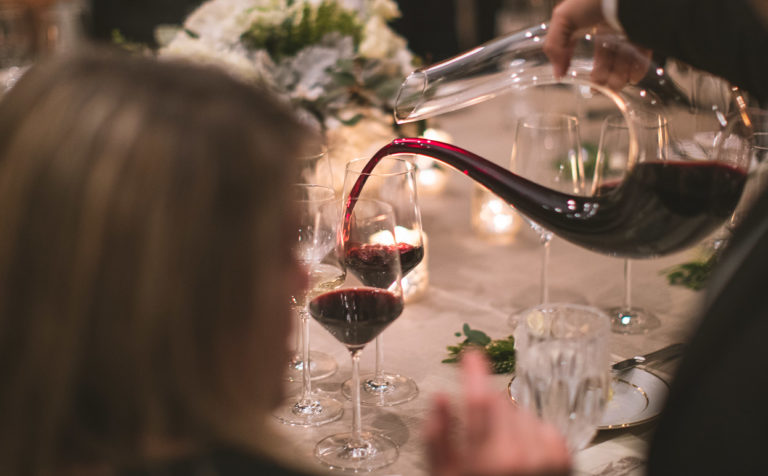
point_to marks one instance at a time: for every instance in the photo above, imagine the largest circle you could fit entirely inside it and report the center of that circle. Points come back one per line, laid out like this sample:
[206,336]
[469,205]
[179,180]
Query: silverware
[660,355]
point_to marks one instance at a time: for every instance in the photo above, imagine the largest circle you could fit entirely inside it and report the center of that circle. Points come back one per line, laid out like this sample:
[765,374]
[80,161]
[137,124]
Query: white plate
[638,397]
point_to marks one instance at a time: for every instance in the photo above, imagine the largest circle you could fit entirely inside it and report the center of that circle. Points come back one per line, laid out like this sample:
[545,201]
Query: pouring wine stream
[661,206]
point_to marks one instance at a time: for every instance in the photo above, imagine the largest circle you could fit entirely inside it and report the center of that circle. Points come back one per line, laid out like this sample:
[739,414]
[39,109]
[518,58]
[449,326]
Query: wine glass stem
[356,421]
[298,335]
[379,360]
[306,385]
[544,266]
[627,285]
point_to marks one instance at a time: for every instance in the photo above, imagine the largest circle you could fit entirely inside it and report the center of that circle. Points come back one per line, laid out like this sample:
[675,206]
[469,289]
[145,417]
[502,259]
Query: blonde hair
[140,211]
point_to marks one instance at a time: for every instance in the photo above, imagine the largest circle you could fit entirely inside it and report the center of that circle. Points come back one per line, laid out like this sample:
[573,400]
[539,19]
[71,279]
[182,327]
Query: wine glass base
[343,451]
[632,321]
[321,365]
[314,412]
[392,389]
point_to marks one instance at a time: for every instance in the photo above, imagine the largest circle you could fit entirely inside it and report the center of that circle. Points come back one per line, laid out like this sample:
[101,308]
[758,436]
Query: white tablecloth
[475,282]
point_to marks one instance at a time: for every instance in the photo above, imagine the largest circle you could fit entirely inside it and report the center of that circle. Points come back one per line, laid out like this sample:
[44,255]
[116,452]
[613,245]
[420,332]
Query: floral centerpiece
[336,61]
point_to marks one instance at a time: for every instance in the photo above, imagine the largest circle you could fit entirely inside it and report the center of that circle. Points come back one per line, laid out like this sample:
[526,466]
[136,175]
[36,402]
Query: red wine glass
[547,150]
[370,299]
[314,167]
[392,181]
[653,144]
[318,249]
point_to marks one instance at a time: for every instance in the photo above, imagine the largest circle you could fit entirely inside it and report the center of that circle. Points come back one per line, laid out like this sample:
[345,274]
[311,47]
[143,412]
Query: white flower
[379,41]
[246,65]
[323,79]
[360,140]
[386,9]
[221,22]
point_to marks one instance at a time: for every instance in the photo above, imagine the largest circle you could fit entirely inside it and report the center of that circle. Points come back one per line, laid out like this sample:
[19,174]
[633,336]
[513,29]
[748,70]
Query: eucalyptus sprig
[500,352]
[692,274]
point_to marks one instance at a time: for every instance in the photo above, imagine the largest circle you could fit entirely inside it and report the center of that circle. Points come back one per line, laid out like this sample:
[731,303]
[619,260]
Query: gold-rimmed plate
[637,397]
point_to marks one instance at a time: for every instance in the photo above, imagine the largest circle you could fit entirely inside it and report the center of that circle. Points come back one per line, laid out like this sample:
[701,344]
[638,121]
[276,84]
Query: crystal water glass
[563,368]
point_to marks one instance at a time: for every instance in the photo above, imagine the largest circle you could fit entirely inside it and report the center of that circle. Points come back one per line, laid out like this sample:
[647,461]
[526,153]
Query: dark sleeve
[136,19]
[725,37]
[714,419]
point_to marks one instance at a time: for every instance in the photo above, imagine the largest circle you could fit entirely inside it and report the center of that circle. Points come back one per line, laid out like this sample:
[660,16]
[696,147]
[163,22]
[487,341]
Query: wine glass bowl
[653,145]
[313,168]
[547,150]
[355,314]
[392,181]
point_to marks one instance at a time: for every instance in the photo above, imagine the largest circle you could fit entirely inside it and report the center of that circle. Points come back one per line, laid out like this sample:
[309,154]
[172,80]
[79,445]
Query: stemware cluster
[355,250]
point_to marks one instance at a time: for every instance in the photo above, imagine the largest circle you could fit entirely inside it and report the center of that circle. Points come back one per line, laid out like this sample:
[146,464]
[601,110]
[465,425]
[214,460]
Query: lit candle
[431,177]
[492,217]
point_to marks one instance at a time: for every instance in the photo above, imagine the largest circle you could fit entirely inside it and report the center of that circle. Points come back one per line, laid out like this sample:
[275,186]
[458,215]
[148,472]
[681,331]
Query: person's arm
[725,37]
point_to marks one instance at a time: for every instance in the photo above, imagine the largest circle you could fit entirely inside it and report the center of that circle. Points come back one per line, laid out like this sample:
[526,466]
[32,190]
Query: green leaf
[476,337]
[693,274]
[501,353]
[353,120]
[291,36]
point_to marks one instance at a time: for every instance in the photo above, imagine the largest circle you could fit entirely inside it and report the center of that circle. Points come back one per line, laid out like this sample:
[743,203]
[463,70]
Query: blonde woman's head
[145,265]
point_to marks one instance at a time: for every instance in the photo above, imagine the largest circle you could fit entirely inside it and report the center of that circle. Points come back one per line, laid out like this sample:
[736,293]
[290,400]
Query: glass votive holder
[431,177]
[492,218]
[416,282]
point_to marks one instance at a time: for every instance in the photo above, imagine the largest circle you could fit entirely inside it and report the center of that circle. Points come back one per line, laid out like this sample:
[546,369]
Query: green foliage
[589,150]
[693,274]
[500,352]
[589,159]
[119,40]
[293,34]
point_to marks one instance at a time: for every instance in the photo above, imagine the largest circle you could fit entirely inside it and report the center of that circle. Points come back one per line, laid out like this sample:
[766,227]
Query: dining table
[480,282]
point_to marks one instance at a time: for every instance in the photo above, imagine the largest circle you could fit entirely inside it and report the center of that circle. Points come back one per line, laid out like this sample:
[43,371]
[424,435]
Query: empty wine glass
[562,368]
[355,314]
[547,150]
[653,144]
[318,249]
[392,181]
[314,167]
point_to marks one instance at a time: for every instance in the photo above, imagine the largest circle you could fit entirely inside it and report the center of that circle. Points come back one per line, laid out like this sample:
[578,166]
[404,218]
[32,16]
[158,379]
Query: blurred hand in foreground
[496,439]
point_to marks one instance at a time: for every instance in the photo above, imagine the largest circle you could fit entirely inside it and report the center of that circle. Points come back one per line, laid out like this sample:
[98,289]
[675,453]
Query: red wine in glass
[369,261]
[356,316]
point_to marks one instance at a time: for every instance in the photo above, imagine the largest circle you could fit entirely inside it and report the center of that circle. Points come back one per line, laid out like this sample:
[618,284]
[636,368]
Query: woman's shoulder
[218,462]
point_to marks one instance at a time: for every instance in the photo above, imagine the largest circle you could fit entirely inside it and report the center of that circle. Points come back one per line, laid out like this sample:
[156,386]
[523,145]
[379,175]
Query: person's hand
[497,438]
[569,17]
[616,62]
